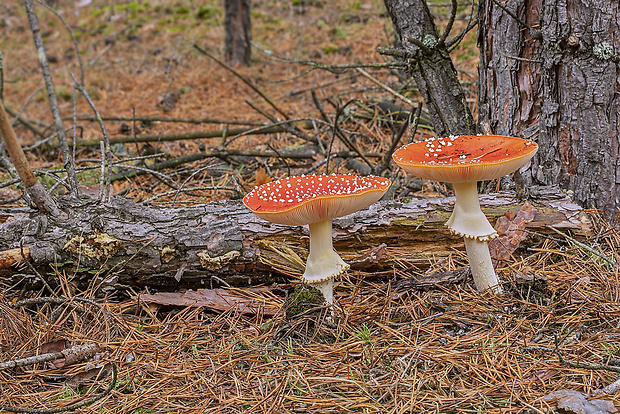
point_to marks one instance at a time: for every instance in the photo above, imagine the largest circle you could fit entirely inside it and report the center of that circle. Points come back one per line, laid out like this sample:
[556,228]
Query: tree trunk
[238,31]
[431,67]
[121,243]
[558,83]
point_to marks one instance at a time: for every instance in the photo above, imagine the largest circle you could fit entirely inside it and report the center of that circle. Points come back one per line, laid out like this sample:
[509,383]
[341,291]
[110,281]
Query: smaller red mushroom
[315,200]
[463,161]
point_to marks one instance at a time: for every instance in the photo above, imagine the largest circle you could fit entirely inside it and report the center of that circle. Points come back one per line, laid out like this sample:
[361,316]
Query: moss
[303,299]
[183,10]
[207,12]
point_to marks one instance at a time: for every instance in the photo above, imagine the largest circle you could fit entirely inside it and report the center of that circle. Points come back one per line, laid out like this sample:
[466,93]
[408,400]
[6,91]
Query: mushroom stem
[323,263]
[481,265]
[469,221]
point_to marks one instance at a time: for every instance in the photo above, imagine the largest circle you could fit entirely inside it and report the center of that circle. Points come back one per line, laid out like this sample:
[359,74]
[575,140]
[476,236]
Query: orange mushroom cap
[468,158]
[310,199]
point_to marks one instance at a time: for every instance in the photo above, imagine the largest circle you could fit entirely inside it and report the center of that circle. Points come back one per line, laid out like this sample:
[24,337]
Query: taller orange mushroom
[315,200]
[463,161]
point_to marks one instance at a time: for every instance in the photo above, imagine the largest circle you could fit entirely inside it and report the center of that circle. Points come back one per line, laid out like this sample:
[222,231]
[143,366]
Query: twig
[166,119]
[68,161]
[563,360]
[584,246]
[454,42]
[329,67]
[337,132]
[288,167]
[397,52]
[17,116]
[107,157]
[28,124]
[423,48]
[102,179]
[70,407]
[610,389]
[384,86]
[189,191]
[397,137]
[267,129]
[188,179]
[286,126]
[243,78]
[71,355]
[448,28]
[33,187]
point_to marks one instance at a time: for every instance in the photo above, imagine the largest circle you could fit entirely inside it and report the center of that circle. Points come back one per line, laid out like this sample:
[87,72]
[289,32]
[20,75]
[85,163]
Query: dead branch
[168,119]
[139,245]
[267,129]
[71,356]
[35,190]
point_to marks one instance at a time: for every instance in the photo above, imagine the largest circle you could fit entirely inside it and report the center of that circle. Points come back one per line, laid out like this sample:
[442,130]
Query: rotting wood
[165,247]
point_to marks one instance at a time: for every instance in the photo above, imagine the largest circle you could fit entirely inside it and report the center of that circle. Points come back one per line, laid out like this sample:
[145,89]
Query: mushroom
[315,200]
[463,161]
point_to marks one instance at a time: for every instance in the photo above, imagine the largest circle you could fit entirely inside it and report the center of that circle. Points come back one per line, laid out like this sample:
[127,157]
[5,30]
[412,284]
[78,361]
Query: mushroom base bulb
[320,269]
[467,220]
[323,263]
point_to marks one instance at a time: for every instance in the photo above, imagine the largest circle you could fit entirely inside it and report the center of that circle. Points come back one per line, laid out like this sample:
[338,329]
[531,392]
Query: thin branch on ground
[267,129]
[243,78]
[167,119]
[609,260]
[286,126]
[76,353]
[104,184]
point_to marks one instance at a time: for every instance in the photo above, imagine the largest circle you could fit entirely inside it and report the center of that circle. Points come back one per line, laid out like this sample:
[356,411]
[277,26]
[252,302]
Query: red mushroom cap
[463,159]
[310,199]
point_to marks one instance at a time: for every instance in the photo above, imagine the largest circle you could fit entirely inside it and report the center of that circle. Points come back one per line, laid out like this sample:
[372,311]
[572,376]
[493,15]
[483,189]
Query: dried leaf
[261,177]
[53,347]
[569,401]
[82,378]
[216,299]
[509,237]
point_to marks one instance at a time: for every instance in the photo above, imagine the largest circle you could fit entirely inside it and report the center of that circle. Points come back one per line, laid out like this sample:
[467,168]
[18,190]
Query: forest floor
[389,348]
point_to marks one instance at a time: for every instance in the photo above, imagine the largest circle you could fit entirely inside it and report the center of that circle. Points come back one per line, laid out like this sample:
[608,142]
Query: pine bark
[557,82]
[122,244]
[431,68]
[238,31]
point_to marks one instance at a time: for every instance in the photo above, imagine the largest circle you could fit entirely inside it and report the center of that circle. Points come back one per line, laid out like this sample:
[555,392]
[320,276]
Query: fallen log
[123,244]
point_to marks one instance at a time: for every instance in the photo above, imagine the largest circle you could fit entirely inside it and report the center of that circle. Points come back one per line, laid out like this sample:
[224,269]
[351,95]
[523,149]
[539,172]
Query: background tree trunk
[558,83]
[432,70]
[238,31]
